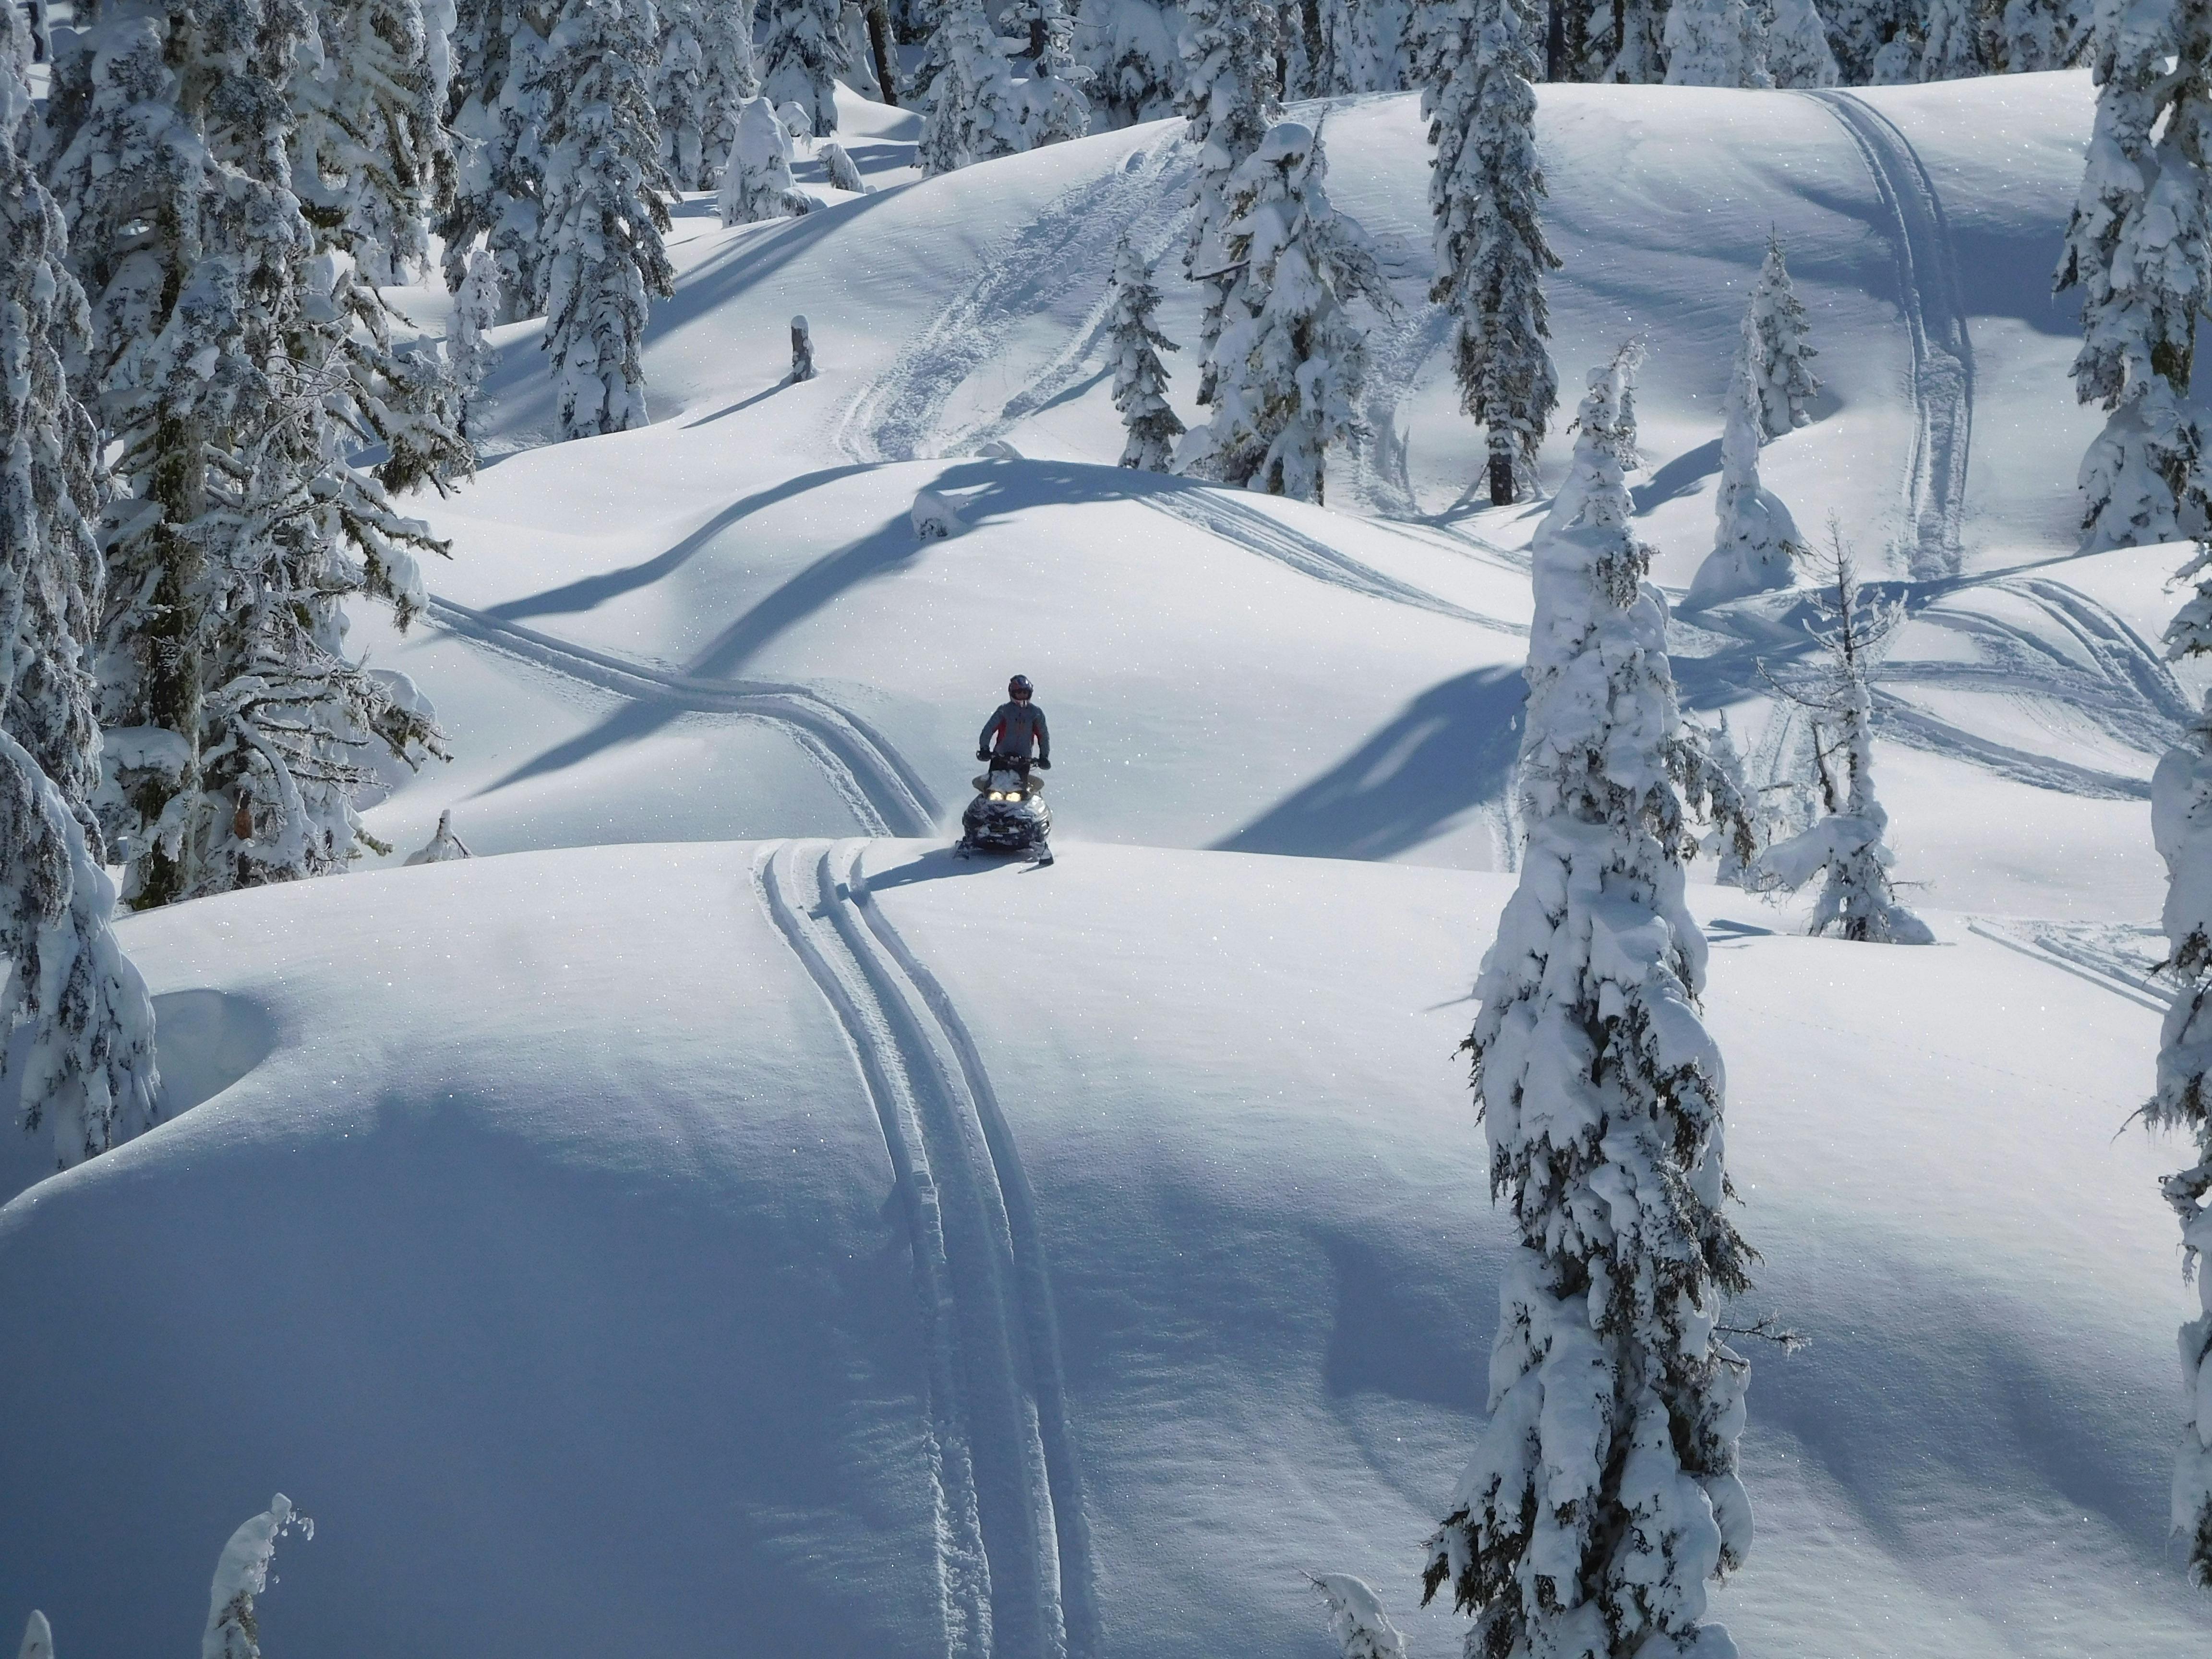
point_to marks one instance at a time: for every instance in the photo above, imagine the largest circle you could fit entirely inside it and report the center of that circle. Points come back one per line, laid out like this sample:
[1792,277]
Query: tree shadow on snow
[1449,750]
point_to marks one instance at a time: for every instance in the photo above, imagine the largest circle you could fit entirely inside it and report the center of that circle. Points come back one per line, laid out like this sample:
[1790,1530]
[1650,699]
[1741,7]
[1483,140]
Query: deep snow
[533,1221]
[558,1268]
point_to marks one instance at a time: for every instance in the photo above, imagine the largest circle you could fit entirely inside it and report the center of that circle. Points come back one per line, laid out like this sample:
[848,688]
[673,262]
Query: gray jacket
[1013,728]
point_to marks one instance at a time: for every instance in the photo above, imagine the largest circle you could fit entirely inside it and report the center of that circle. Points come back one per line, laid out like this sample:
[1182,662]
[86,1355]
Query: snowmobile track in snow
[1013,1549]
[886,795]
[1057,254]
[1936,321]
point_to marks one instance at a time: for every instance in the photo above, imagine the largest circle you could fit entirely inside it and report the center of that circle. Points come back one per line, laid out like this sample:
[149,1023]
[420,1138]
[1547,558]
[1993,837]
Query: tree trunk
[1501,481]
[879,40]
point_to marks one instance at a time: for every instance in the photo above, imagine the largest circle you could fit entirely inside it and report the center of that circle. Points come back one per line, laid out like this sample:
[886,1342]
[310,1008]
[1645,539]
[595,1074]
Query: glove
[1044,766]
[983,754]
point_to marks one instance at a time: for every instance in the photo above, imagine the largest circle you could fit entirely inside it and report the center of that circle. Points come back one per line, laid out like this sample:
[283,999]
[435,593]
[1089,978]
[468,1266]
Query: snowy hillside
[715,1220]
[561,1273]
[757,536]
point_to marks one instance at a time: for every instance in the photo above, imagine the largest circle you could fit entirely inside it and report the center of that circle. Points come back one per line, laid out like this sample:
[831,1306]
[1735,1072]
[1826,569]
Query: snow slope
[732,629]
[812,1246]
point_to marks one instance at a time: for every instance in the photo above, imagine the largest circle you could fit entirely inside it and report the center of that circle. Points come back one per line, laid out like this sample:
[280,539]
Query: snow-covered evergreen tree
[38,1637]
[1129,47]
[679,96]
[803,56]
[844,174]
[1134,343]
[985,100]
[369,93]
[1052,106]
[2181,824]
[1716,43]
[757,182]
[476,309]
[1898,63]
[2136,247]
[241,1573]
[1859,29]
[1230,94]
[1797,51]
[1290,360]
[227,366]
[728,76]
[1476,59]
[87,1078]
[966,91]
[1961,40]
[1755,539]
[1741,826]
[1778,343]
[1603,1492]
[1848,846]
[604,215]
[497,108]
[1623,41]
[2045,35]
[1355,1618]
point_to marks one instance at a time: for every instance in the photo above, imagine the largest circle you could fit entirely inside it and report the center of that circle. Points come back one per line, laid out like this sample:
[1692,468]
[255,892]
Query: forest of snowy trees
[215,417]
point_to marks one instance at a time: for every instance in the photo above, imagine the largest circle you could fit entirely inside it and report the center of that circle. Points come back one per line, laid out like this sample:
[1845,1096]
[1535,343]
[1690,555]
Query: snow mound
[565,1254]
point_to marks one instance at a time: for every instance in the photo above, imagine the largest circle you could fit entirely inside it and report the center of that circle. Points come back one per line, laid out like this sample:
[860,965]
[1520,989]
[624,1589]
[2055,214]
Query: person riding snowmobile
[1016,725]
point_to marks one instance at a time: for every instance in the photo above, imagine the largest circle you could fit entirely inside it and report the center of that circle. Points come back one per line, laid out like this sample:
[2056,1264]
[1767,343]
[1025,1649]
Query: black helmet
[1020,686]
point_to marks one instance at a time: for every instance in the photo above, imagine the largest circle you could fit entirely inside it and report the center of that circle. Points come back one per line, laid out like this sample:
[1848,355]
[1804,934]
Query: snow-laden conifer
[87,1077]
[1624,41]
[2045,35]
[728,76]
[1716,43]
[984,100]
[1357,1619]
[468,344]
[1778,343]
[1290,360]
[38,1637]
[1603,1494]
[368,91]
[1129,47]
[2136,247]
[1230,94]
[241,1573]
[604,215]
[1741,827]
[1848,847]
[679,93]
[844,173]
[229,366]
[803,55]
[2181,825]
[757,182]
[1961,40]
[1755,541]
[1861,30]
[1898,63]
[1476,59]
[497,108]
[1797,51]
[1133,344]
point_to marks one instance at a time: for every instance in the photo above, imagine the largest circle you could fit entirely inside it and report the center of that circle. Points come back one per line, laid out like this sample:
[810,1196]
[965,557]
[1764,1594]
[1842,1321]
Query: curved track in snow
[1936,321]
[1060,252]
[1013,1550]
[887,795]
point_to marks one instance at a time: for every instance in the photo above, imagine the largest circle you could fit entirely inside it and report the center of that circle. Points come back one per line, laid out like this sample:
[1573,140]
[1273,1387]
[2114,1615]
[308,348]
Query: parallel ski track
[1058,253]
[1936,321]
[1014,1552]
[887,796]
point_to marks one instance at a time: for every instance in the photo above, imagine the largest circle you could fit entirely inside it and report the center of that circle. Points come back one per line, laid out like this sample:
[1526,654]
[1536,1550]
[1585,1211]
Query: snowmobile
[1008,814]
